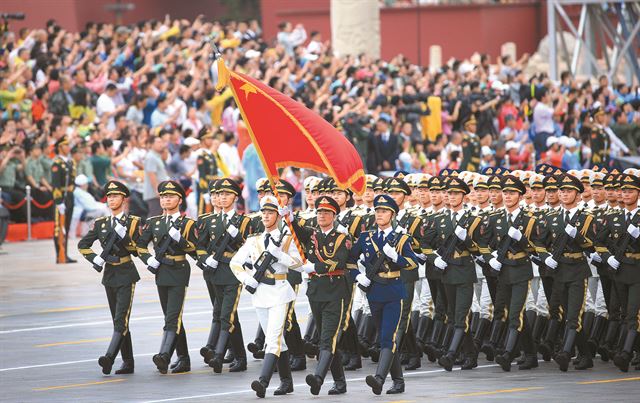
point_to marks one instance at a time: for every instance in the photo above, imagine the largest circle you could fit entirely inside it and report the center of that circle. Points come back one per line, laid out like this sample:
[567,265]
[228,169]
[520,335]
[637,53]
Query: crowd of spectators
[133,100]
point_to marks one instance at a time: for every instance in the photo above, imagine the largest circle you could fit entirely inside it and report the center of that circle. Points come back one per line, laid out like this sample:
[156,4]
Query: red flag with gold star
[286,133]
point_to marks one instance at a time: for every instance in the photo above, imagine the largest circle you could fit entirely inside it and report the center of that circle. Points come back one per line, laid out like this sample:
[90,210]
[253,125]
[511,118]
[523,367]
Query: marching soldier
[117,234]
[382,254]
[261,264]
[221,236]
[599,139]
[450,240]
[207,170]
[618,245]
[173,238]
[328,290]
[470,146]
[504,241]
[63,175]
[564,238]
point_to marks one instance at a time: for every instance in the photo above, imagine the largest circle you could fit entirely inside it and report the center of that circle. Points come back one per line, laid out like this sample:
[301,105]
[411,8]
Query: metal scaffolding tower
[613,24]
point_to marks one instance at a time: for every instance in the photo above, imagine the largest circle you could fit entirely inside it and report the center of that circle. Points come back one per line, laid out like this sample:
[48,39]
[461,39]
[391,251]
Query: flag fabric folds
[286,133]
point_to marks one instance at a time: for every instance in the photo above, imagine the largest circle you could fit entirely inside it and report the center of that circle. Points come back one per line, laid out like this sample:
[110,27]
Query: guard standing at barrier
[63,175]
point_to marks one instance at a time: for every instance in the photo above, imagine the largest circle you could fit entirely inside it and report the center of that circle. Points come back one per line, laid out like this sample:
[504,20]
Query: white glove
[61,208]
[285,212]
[232,230]
[440,264]
[342,229]
[421,256]
[274,250]
[98,261]
[494,254]
[121,230]
[153,262]
[613,262]
[571,230]
[175,234]
[390,252]
[251,282]
[633,231]
[362,279]
[400,230]
[461,233]
[595,257]
[515,234]
[422,271]
[308,268]
[206,197]
[481,259]
[495,265]
[550,262]
[211,262]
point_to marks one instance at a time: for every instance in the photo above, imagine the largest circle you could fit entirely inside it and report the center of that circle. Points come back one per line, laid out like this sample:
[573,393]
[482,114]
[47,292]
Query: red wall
[73,14]
[460,30]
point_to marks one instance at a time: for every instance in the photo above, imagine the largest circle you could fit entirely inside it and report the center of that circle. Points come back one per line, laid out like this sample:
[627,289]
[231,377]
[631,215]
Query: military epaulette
[254,214]
[102,218]
[204,215]
[154,217]
[495,212]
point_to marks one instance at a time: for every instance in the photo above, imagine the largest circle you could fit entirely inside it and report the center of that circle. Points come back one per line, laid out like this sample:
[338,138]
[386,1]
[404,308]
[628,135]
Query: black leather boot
[355,362]
[530,361]
[106,361]
[447,360]
[284,371]
[218,355]
[609,340]
[483,327]
[396,375]
[475,320]
[424,325]
[376,381]
[163,358]
[126,352]
[505,359]
[337,373]
[239,364]
[595,334]
[258,342]
[316,380]
[207,351]
[183,363]
[563,358]
[268,366]
[446,340]
[470,360]
[623,358]
[489,347]
[546,347]
[432,345]
[585,361]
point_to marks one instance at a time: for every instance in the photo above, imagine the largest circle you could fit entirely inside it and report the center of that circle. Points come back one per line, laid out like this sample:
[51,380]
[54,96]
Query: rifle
[622,246]
[109,247]
[505,242]
[447,250]
[223,245]
[345,220]
[62,252]
[163,248]
[264,262]
[563,239]
[371,269]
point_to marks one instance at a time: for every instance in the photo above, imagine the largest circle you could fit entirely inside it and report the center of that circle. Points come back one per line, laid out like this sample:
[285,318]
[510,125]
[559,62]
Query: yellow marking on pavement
[637,378]
[78,385]
[495,392]
[401,401]
[73,308]
[67,343]
[203,371]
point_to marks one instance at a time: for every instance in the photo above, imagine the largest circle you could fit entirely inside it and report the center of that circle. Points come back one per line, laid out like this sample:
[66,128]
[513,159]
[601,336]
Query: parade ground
[54,324]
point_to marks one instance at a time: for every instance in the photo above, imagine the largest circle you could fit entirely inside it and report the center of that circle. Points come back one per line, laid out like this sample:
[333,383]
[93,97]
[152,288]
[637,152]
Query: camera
[12,16]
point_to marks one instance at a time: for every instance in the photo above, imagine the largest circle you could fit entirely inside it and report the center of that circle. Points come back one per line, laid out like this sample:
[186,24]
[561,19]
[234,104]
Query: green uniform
[207,171]
[470,152]
[63,175]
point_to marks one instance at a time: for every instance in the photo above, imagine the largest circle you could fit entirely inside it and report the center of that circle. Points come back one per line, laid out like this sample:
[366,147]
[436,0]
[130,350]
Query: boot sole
[373,384]
[106,365]
[161,364]
[312,381]
[260,390]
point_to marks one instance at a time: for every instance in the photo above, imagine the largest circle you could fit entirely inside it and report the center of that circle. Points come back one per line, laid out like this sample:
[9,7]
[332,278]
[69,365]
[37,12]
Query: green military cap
[398,185]
[228,185]
[371,179]
[385,202]
[286,188]
[470,120]
[494,182]
[457,185]
[326,203]
[511,183]
[571,182]
[116,188]
[213,186]
[64,140]
[436,183]
[269,203]
[424,181]
[171,188]
[627,181]
[551,182]
[378,184]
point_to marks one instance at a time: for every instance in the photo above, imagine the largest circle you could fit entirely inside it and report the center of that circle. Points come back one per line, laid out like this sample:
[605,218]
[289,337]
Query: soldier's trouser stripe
[235,307]
[334,340]
[128,315]
[184,297]
[582,306]
[395,333]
